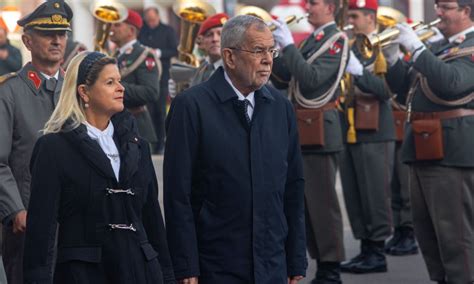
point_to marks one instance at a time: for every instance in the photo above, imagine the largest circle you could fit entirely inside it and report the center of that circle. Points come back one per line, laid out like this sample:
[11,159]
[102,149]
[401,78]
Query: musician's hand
[282,34]
[392,53]
[354,66]
[409,39]
[171,88]
[191,280]
[19,222]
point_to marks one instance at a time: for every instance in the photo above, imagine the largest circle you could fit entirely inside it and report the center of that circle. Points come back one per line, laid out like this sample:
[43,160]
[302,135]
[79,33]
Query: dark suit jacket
[70,175]
[314,80]
[233,193]
[449,81]
[163,37]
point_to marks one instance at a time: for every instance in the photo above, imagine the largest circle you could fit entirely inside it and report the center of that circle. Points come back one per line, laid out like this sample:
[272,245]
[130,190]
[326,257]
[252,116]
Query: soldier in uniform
[27,99]
[315,70]
[140,72]
[367,160]
[210,31]
[438,139]
[210,34]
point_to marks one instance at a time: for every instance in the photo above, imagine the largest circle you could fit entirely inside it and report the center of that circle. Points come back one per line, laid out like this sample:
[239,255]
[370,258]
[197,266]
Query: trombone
[366,45]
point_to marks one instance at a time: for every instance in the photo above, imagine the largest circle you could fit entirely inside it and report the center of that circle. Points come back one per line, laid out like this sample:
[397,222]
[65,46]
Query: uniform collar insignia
[460,39]
[35,78]
[150,63]
[319,36]
[129,50]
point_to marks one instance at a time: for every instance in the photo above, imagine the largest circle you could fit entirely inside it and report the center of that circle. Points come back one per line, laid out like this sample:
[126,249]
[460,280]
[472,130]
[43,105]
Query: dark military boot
[407,243]
[373,261]
[347,265]
[393,240]
[328,273]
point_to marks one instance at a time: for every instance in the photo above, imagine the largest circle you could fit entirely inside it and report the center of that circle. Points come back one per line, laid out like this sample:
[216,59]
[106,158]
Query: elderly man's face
[46,46]
[250,66]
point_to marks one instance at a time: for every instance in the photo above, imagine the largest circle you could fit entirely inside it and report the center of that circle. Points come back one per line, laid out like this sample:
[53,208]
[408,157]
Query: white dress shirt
[250,97]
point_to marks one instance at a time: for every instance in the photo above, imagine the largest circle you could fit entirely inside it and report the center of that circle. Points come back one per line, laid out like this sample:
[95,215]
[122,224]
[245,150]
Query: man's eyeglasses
[260,52]
[445,8]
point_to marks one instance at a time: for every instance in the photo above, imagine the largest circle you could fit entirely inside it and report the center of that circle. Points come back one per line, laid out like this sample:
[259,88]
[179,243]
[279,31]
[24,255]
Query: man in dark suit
[315,71]
[439,138]
[162,38]
[367,160]
[27,100]
[233,177]
[140,72]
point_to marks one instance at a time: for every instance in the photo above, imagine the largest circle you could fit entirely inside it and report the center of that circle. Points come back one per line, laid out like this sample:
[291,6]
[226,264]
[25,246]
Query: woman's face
[106,95]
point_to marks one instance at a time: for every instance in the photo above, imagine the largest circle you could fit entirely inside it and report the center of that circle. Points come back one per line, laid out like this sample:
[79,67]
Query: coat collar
[128,145]
[36,82]
[224,92]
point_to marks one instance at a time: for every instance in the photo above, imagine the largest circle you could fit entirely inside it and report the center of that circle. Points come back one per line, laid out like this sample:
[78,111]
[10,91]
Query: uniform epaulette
[6,77]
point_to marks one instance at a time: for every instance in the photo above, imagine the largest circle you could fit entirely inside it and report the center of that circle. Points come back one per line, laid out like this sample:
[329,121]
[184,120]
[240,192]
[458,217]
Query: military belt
[461,112]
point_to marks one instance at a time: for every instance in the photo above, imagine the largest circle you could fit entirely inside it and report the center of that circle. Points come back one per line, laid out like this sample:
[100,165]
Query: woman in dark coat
[93,176]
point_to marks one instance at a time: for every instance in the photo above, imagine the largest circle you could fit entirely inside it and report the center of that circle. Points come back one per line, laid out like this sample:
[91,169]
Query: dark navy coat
[71,182]
[233,193]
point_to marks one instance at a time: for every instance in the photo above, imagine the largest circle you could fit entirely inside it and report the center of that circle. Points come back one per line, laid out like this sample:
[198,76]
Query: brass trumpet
[367,44]
[266,17]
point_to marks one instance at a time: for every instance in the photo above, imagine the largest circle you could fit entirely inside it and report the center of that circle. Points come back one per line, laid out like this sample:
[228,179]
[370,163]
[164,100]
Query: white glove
[409,39]
[171,88]
[158,52]
[354,66]
[391,53]
[282,34]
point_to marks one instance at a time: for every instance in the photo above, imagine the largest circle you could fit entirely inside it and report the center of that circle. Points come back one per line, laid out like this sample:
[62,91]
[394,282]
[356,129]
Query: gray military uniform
[442,190]
[367,165]
[25,106]
[323,215]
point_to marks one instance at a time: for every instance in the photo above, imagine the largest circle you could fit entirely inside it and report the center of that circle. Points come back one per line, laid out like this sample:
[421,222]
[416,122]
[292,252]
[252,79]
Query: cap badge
[360,3]
[56,18]
[56,5]
[223,20]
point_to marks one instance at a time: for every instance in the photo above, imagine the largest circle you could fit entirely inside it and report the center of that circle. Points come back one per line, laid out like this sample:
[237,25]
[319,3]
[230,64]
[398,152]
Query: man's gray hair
[233,32]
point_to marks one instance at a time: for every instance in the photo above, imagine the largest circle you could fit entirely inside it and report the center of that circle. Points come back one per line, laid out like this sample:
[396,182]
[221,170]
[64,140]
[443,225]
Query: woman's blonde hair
[70,108]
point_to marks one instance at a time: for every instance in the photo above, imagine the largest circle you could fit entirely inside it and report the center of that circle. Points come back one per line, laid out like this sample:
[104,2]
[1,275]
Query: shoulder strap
[423,82]
[147,51]
[294,90]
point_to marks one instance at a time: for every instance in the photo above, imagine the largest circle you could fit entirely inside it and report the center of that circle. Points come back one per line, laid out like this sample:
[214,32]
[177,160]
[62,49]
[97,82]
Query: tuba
[107,12]
[192,13]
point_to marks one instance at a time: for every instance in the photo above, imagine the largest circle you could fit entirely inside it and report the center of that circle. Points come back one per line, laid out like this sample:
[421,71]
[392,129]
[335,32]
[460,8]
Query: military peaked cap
[52,15]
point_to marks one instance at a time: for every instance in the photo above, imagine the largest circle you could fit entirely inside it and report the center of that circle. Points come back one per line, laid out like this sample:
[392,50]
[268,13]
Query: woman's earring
[86,105]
